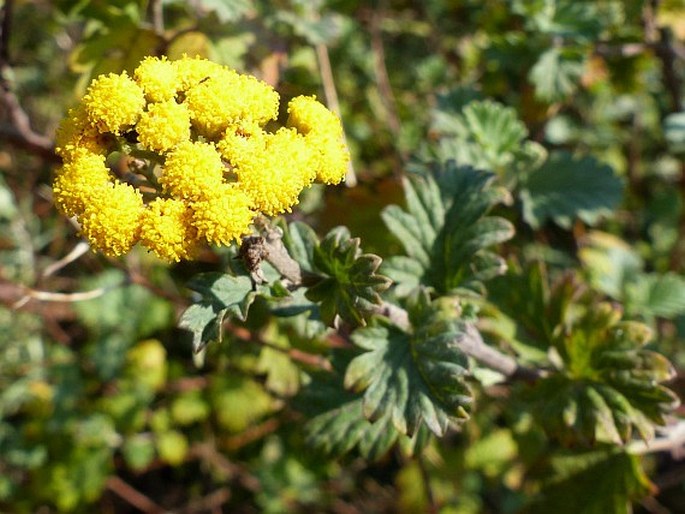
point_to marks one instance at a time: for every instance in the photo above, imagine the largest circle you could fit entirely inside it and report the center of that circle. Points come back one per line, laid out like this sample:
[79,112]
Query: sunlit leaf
[565,189]
[653,294]
[557,74]
[608,384]
[222,294]
[226,10]
[610,262]
[445,230]
[489,136]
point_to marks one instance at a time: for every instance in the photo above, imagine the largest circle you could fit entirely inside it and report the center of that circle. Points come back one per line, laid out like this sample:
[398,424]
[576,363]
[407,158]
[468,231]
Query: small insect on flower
[195,136]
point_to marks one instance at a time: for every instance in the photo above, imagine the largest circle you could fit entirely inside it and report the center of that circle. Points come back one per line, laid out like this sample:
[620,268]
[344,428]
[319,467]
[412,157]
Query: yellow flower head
[111,222]
[76,132]
[192,171]
[167,230]
[114,102]
[274,179]
[190,71]
[226,97]
[163,126]
[242,141]
[332,157]
[224,216]
[201,146]
[158,78]
[79,180]
[324,132]
[307,114]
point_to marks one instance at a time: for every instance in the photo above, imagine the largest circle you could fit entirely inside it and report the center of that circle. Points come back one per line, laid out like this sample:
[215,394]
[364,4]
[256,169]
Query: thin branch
[332,101]
[18,131]
[133,496]
[78,250]
[279,258]
[156,12]
[470,342]
[250,435]
[663,43]
[210,503]
[382,77]
[49,296]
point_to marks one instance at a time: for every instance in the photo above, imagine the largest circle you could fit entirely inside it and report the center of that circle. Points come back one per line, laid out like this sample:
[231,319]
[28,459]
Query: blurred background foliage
[103,407]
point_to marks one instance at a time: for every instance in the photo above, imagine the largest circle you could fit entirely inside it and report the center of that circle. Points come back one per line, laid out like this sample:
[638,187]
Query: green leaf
[222,294]
[350,286]
[138,451]
[557,74]
[226,11]
[445,230]
[565,188]
[282,374]
[204,322]
[144,314]
[415,377]
[336,423]
[489,136]
[112,45]
[610,262]
[300,240]
[608,384]
[536,309]
[315,29]
[614,478]
[653,294]
[189,407]
[238,402]
[565,18]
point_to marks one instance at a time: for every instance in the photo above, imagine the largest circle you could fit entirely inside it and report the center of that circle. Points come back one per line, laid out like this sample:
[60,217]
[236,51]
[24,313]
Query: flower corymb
[195,159]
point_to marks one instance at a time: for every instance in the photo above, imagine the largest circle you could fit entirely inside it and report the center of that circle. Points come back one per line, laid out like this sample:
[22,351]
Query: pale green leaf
[565,189]
[653,294]
[557,74]
[226,11]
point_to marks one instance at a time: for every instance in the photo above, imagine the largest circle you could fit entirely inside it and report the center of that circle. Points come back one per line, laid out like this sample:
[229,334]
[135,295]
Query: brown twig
[332,101]
[134,497]
[18,131]
[210,503]
[381,72]
[252,434]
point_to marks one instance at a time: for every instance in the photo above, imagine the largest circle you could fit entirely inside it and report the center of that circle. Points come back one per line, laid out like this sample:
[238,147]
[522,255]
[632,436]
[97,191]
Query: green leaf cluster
[445,231]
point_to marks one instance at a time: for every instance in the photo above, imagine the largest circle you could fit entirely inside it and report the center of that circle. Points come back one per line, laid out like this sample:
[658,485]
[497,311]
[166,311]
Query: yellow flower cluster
[194,140]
